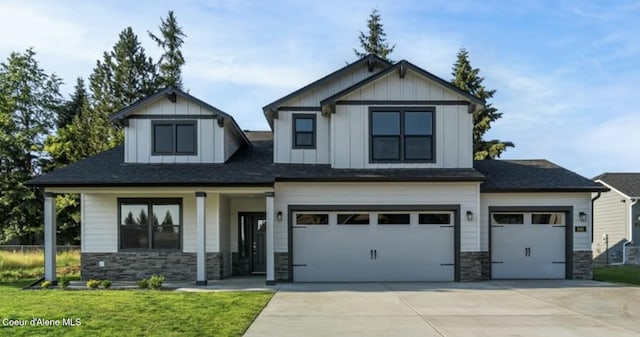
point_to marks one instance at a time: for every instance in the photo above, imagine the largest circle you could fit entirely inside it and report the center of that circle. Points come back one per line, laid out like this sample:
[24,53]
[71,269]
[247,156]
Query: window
[174,137]
[353,219]
[394,219]
[547,219]
[508,219]
[304,131]
[434,218]
[150,224]
[401,135]
[312,219]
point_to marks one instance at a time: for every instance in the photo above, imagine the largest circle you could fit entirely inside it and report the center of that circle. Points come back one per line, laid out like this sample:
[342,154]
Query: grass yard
[129,312]
[17,265]
[618,274]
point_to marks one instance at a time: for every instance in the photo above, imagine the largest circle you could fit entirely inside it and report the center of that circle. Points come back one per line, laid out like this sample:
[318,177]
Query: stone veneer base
[282,267]
[474,266]
[130,266]
[582,265]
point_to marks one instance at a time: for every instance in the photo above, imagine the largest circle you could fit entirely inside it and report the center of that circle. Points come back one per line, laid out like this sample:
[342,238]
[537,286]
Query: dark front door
[253,231]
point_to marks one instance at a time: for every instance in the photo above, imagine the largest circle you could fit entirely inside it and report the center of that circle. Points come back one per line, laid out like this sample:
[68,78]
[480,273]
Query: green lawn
[618,274]
[129,312]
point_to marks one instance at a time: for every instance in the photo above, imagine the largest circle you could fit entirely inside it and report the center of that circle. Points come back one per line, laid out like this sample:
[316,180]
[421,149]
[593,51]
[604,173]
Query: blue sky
[566,72]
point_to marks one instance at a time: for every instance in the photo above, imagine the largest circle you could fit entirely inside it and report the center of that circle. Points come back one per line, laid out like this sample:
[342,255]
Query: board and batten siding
[611,217]
[317,194]
[581,202]
[283,151]
[99,230]
[453,124]
[138,137]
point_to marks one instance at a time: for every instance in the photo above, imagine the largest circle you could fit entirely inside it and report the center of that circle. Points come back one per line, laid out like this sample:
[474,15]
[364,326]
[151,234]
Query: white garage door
[528,245]
[373,246]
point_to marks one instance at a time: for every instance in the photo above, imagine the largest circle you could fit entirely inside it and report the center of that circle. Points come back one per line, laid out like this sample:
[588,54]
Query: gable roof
[170,93]
[401,66]
[627,183]
[536,175]
[250,166]
[370,60]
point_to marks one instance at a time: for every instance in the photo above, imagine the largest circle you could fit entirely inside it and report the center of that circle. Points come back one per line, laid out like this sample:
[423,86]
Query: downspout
[624,246]
[593,200]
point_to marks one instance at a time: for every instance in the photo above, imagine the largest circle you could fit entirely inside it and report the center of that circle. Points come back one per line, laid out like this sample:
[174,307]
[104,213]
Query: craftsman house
[367,174]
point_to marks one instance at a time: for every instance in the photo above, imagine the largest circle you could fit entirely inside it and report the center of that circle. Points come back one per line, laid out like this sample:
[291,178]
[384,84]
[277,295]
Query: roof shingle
[627,183]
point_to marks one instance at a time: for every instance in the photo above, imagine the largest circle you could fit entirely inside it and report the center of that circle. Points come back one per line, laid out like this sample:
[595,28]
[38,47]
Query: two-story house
[367,174]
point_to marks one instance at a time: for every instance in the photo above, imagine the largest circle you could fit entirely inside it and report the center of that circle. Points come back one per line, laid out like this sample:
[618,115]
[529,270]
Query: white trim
[270,239]
[613,189]
[201,242]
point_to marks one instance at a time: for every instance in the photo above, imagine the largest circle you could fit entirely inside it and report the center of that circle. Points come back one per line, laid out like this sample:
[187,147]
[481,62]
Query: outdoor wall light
[279,216]
[583,216]
[469,215]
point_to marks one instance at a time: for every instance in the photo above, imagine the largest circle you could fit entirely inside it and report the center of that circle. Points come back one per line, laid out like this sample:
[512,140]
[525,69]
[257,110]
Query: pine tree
[375,42]
[468,79]
[29,98]
[74,105]
[170,39]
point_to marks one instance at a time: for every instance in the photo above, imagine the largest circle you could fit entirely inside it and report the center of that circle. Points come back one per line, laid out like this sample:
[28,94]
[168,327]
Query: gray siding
[610,218]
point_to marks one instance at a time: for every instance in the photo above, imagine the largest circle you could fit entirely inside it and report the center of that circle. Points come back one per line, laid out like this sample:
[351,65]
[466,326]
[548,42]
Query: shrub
[93,284]
[143,283]
[155,281]
[106,284]
[64,282]
[46,284]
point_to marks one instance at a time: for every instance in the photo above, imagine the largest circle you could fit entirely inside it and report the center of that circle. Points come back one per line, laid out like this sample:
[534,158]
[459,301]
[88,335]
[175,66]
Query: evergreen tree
[168,220]
[170,39]
[29,98]
[129,220]
[468,79]
[73,106]
[124,76]
[375,42]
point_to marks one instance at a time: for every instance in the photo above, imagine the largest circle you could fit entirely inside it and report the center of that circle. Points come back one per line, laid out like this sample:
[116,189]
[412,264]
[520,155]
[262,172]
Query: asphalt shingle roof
[531,176]
[253,166]
[627,183]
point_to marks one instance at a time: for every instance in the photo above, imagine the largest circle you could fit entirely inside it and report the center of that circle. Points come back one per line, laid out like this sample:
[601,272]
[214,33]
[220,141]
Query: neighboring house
[367,175]
[616,219]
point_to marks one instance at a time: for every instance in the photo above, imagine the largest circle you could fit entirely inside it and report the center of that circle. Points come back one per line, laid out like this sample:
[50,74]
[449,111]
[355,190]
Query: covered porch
[197,234]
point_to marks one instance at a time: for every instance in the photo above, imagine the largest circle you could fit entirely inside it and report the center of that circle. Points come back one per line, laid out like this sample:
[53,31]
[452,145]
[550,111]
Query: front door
[253,230]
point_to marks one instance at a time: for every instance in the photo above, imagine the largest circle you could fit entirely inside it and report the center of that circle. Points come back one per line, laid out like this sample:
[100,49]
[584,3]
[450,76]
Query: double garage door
[361,246]
[528,245]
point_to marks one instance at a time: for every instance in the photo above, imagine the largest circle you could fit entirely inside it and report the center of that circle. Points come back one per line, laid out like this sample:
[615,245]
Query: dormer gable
[172,126]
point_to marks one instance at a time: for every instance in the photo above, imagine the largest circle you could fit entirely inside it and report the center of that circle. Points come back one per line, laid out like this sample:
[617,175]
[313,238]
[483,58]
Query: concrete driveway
[492,309]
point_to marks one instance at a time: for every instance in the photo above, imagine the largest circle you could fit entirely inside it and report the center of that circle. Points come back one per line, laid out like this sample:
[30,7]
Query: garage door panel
[373,252]
[527,248]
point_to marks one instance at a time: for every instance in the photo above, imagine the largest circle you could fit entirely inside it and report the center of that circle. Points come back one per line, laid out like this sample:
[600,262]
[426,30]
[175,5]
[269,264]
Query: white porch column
[50,237]
[270,238]
[201,242]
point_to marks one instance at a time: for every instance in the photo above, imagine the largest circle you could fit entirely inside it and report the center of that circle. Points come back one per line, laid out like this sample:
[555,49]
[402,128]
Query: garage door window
[312,219]
[547,219]
[434,218]
[394,219]
[508,219]
[353,219]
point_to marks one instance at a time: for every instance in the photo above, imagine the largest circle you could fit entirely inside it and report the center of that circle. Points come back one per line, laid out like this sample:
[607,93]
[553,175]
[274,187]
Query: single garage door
[528,245]
[361,246]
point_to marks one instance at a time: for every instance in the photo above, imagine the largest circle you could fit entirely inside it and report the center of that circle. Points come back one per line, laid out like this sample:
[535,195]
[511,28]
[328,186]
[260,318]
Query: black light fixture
[469,215]
[279,216]
[583,216]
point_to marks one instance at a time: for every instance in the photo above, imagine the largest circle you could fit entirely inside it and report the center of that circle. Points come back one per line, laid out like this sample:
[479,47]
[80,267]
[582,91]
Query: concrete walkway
[494,308]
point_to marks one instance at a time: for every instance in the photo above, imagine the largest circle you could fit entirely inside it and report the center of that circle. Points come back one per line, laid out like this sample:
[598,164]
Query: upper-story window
[174,137]
[401,135]
[304,131]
